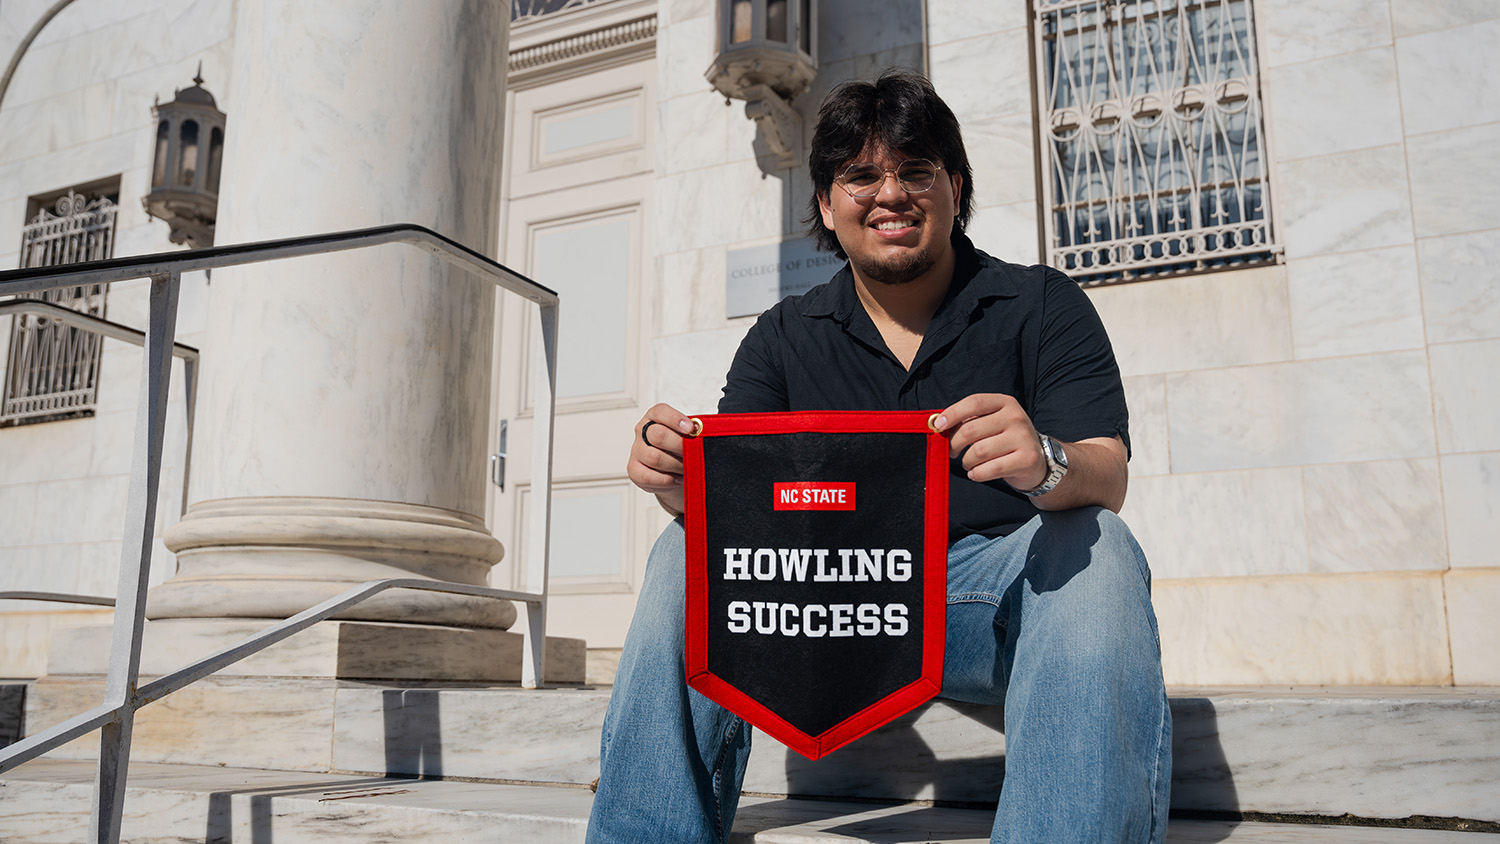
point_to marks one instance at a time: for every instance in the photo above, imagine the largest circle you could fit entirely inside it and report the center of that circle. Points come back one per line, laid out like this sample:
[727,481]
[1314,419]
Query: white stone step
[1374,752]
[46,802]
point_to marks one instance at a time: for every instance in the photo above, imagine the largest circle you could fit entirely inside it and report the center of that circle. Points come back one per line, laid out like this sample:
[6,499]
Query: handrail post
[135,563]
[539,542]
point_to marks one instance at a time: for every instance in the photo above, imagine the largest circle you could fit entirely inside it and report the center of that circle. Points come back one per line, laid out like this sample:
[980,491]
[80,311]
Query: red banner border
[935,541]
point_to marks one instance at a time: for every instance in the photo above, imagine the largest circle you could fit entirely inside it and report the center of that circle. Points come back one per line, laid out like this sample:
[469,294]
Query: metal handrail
[115,717]
[88,322]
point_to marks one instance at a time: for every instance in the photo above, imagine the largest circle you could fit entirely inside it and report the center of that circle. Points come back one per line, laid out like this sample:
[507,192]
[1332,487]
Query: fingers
[993,435]
[982,416]
[655,463]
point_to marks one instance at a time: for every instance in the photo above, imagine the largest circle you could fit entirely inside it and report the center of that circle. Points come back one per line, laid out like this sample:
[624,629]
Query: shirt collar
[976,277]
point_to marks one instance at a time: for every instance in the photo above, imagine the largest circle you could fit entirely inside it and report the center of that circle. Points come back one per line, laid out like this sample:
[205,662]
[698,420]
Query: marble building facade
[1316,476]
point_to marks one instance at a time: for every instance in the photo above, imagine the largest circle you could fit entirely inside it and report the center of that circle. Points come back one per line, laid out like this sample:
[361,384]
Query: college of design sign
[817,568]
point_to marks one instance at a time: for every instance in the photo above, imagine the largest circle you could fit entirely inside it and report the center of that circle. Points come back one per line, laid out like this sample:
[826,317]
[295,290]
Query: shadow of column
[413,732]
[1202,782]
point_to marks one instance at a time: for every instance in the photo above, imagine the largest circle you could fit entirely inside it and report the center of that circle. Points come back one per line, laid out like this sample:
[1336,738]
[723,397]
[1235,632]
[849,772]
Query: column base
[274,557]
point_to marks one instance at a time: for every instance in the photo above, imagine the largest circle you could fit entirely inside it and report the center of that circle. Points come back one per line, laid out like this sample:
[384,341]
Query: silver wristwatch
[1057,466]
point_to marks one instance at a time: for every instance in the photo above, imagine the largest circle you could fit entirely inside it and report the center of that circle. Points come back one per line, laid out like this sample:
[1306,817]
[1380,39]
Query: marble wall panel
[1471,502]
[715,206]
[84,510]
[1473,625]
[1317,630]
[984,77]
[1220,524]
[846,28]
[693,132]
[17,515]
[1409,17]
[1008,232]
[1338,104]
[1216,319]
[1003,158]
[113,440]
[674,293]
[1357,302]
[26,631]
[1466,395]
[1372,407]
[689,368]
[52,451]
[684,50]
[682,10]
[119,385]
[99,568]
[1447,196]
[1385,516]
[39,568]
[1290,31]
[691,293]
[1339,203]
[1146,400]
[195,23]
[1450,78]
[955,20]
[1460,298]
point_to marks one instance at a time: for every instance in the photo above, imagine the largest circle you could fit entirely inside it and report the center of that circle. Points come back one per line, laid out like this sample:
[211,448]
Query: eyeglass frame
[884,172]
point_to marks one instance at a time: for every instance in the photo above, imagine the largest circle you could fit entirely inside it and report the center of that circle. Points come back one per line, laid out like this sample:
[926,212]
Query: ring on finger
[646,427]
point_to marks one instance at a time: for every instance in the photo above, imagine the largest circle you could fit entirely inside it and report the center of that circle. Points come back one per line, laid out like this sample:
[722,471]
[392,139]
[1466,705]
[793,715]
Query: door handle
[497,460]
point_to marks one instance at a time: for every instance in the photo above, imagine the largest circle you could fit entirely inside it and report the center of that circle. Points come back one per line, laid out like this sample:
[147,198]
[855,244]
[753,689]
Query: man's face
[894,236]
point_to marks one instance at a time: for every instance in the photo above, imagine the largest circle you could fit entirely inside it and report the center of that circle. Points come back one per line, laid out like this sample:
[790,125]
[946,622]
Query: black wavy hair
[899,111]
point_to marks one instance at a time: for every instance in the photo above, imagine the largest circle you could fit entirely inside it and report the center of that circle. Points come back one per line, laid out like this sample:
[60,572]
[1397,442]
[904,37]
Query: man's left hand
[997,441]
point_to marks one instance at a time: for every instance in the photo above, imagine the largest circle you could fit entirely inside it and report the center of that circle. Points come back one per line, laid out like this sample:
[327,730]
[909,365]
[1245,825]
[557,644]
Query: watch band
[1057,466]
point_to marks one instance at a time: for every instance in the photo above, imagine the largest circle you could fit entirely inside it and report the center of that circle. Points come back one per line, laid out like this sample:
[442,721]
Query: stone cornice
[589,34]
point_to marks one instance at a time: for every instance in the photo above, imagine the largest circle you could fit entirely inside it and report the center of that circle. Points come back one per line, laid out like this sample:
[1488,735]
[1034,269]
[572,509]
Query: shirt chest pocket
[990,368]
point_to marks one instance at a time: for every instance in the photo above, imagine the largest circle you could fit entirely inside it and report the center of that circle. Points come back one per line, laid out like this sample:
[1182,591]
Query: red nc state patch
[813,495]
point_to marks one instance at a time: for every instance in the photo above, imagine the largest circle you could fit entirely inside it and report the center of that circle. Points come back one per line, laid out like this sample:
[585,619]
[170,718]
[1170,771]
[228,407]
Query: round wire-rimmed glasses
[864,180]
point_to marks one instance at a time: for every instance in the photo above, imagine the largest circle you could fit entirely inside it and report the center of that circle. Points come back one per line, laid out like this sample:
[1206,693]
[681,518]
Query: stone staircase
[305,760]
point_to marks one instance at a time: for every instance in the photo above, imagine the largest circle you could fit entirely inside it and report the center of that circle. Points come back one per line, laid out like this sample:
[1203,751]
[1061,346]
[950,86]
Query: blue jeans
[1054,622]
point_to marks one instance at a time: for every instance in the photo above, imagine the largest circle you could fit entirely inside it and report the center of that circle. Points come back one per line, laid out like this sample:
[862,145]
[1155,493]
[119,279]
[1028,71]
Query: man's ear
[826,209]
[958,192]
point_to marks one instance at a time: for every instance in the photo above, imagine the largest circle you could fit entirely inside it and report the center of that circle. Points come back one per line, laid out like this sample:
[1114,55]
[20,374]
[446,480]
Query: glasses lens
[863,179]
[914,176]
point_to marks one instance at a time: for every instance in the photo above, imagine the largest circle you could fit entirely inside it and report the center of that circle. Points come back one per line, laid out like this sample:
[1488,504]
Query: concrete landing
[46,802]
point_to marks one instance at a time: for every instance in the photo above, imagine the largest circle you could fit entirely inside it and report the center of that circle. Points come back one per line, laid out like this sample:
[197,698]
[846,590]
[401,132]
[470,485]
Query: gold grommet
[932,423]
[697,426]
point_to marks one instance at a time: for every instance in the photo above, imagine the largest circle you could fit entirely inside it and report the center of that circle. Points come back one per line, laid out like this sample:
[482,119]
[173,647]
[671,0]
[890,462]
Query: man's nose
[890,188]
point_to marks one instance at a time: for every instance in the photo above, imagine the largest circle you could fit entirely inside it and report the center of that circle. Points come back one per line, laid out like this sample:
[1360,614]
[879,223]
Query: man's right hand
[656,455]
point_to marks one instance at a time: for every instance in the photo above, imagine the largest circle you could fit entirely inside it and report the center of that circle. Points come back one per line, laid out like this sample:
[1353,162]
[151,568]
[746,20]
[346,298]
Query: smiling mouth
[894,225]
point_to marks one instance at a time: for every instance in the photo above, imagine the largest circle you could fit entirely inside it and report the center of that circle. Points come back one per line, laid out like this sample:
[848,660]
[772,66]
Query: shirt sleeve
[756,382]
[1078,390]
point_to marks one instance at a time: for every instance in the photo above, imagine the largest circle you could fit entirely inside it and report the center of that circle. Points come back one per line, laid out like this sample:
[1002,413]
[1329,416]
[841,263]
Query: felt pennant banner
[816,569]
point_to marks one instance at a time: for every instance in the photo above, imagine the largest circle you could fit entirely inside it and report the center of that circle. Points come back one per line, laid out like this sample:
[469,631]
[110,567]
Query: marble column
[343,427]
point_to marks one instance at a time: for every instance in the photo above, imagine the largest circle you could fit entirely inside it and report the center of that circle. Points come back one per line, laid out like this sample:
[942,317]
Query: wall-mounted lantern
[188,156]
[766,55]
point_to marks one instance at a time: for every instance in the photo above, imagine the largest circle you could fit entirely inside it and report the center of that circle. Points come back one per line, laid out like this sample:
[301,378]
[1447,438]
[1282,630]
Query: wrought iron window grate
[1153,137]
[525,11]
[52,370]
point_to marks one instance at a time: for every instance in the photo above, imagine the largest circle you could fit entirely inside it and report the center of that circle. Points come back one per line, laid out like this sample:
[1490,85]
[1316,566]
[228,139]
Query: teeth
[891,225]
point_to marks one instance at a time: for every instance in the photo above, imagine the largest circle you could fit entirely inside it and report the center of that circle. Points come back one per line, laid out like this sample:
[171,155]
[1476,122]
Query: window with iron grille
[1152,137]
[52,371]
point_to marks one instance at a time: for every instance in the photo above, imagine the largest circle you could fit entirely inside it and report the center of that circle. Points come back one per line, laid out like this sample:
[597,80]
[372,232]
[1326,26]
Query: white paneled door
[577,220]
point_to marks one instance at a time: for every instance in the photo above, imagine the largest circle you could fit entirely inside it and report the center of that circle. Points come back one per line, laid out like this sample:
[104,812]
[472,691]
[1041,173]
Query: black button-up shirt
[1028,332]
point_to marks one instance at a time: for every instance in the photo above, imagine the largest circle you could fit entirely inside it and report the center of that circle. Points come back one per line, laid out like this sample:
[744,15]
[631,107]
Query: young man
[1049,609]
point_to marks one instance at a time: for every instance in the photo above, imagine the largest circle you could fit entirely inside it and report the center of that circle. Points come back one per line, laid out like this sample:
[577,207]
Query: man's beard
[900,270]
